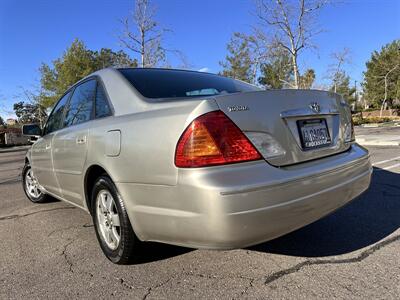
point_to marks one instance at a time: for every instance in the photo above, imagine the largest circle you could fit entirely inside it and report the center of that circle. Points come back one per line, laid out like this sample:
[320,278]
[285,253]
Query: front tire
[113,228]
[31,186]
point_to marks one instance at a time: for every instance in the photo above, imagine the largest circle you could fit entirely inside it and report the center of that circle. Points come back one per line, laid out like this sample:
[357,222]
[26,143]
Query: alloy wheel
[32,185]
[108,219]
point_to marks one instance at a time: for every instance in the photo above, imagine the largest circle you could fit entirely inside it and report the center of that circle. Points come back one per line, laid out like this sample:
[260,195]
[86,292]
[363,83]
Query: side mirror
[32,130]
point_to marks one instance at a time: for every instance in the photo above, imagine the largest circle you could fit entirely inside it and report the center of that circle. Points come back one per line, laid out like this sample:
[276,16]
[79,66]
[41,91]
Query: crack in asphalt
[68,228]
[250,286]
[150,289]
[251,280]
[87,225]
[275,276]
[64,254]
[363,255]
[12,217]
[62,229]
[208,276]
[125,283]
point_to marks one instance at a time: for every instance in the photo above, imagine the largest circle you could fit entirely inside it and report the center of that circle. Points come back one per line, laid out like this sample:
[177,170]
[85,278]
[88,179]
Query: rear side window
[164,83]
[55,120]
[102,106]
[80,107]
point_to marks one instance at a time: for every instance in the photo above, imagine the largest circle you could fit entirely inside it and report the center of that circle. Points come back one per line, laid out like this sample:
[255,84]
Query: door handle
[48,147]
[81,140]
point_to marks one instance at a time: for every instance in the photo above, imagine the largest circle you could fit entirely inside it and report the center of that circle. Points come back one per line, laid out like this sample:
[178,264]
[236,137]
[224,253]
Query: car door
[71,143]
[41,152]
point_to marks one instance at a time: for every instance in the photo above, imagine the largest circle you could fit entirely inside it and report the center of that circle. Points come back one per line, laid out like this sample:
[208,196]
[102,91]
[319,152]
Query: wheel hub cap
[108,219]
[32,185]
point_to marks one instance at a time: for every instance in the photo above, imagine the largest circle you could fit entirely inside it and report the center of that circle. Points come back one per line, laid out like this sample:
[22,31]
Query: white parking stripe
[386,161]
[389,167]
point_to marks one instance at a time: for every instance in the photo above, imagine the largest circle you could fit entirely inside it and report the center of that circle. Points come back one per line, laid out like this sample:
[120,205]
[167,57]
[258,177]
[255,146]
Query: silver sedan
[194,159]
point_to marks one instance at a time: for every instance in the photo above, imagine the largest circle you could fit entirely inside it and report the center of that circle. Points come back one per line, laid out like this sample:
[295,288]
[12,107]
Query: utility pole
[355,90]
[355,95]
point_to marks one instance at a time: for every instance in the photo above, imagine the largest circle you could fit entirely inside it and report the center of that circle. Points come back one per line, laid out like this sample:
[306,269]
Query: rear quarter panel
[147,144]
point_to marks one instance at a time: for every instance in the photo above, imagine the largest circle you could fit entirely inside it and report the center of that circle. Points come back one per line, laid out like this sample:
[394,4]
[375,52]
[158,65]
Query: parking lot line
[386,161]
[389,167]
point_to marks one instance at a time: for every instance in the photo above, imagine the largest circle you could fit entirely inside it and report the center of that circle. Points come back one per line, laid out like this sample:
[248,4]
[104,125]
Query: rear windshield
[164,83]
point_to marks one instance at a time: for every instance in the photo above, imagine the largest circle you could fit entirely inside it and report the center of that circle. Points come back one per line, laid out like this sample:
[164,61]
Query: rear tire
[31,186]
[113,228]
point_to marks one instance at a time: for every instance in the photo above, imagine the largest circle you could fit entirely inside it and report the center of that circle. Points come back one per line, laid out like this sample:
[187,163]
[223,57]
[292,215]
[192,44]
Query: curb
[364,142]
[376,125]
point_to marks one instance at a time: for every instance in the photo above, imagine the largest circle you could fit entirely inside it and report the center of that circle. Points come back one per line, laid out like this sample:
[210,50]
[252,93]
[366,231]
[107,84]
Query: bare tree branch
[142,35]
[292,24]
[340,58]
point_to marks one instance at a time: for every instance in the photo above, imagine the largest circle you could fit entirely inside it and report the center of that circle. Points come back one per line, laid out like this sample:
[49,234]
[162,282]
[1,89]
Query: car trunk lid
[305,124]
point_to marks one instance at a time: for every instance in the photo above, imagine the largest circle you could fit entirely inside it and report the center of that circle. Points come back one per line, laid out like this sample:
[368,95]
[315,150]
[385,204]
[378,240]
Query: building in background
[11,121]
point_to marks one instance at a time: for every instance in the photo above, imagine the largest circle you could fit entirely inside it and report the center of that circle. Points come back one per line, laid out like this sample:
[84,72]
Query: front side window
[55,120]
[80,107]
[102,107]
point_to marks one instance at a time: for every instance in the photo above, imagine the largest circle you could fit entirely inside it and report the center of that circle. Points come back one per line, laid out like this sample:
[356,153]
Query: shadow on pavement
[365,221]
[151,252]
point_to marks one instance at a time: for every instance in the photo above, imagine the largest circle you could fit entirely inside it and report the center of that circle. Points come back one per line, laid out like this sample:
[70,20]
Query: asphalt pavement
[50,251]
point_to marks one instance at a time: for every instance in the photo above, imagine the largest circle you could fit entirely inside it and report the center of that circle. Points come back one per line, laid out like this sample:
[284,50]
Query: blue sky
[32,32]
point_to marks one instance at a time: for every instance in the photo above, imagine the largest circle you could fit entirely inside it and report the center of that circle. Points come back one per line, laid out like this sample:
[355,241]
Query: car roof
[147,69]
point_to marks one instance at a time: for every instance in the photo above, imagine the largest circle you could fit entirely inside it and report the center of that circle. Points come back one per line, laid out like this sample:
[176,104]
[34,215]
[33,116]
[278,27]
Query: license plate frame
[313,141]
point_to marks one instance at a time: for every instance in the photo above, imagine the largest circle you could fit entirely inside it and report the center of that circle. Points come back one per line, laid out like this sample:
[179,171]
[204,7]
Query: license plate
[313,133]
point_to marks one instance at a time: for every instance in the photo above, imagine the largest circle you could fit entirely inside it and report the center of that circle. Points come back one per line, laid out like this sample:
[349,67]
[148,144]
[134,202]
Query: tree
[105,58]
[247,54]
[340,59]
[238,63]
[76,63]
[293,26]
[29,113]
[2,123]
[30,109]
[307,79]
[382,77]
[277,73]
[341,85]
[145,38]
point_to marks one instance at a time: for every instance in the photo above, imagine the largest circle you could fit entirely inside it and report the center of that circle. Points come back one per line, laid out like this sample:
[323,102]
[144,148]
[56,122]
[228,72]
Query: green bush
[357,120]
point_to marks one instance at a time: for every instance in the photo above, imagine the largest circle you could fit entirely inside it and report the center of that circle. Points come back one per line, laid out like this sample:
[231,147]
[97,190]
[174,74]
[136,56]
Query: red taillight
[213,139]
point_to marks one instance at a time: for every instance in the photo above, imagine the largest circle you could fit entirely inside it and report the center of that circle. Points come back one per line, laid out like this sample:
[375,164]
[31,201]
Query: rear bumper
[244,204]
